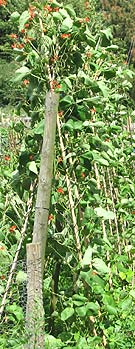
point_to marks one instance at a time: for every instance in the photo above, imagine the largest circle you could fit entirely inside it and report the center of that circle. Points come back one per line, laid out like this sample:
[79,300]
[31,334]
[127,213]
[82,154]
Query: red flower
[3,2]
[26,82]
[55,58]
[14,45]
[2,248]
[3,277]
[28,39]
[83,175]
[60,190]
[48,8]
[93,111]
[86,4]
[23,31]
[32,12]
[60,113]
[54,84]
[86,19]
[7,157]
[20,46]
[50,217]
[64,36]
[55,9]
[59,160]
[27,25]
[12,228]
[13,36]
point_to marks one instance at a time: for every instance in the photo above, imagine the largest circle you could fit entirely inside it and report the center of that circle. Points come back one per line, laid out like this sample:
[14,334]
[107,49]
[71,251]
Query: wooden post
[34,311]
[46,172]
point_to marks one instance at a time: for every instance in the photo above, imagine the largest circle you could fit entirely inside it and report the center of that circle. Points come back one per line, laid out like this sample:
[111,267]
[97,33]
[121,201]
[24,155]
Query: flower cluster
[48,8]
[12,228]
[65,36]
[60,190]
[54,84]
[3,2]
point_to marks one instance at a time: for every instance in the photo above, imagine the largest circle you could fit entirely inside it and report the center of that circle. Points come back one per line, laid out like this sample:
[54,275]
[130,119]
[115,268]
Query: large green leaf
[93,307]
[106,214]
[23,19]
[103,88]
[33,167]
[100,265]
[66,24]
[87,256]
[21,73]
[67,313]
[81,311]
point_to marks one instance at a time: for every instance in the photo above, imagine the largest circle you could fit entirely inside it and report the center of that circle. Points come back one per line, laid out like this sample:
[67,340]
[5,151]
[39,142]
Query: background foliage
[89,301]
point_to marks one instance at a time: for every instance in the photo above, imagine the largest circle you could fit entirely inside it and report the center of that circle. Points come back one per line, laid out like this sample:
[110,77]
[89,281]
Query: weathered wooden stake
[35,325]
[34,310]
[46,172]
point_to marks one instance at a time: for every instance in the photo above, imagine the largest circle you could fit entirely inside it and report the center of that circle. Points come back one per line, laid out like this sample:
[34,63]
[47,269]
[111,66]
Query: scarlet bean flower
[60,190]
[20,46]
[3,2]
[60,113]
[54,84]
[2,248]
[26,82]
[65,36]
[86,19]
[7,157]
[59,160]
[48,8]
[83,175]
[50,217]
[27,25]
[14,45]
[3,277]
[13,36]
[12,228]
[93,110]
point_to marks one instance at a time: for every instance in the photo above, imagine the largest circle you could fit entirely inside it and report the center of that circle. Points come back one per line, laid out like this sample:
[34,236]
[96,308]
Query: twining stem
[72,206]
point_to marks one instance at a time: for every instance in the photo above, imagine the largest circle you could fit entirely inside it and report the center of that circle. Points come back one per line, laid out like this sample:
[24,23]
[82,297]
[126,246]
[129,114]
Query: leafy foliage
[88,302]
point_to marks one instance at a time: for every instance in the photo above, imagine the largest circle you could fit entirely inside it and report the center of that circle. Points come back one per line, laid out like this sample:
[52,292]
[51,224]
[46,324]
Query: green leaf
[67,313]
[23,19]
[106,214]
[33,167]
[39,129]
[15,16]
[68,83]
[70,11]
[80,298]
[66,24]
[21,73]
[93,306]
[103,88]
[107,32]
[132,293]
[111,310]
[87,256]
[100,265]
[81,311]
[21,277]
[68,100]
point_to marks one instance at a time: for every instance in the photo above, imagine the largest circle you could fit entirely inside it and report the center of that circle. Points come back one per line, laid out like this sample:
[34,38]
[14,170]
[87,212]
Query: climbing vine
[89,272]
